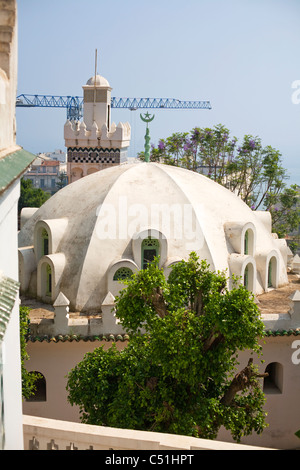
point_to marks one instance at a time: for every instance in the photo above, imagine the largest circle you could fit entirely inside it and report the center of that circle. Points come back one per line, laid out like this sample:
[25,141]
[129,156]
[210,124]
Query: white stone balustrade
[51,434]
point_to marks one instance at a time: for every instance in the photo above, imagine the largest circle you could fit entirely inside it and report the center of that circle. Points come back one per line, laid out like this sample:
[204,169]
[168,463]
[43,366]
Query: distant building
[95,143]
[58,155]
[47,174]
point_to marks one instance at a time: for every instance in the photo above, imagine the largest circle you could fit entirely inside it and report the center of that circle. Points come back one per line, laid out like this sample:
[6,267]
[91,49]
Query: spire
[94,103]
[147,118]
[96,57]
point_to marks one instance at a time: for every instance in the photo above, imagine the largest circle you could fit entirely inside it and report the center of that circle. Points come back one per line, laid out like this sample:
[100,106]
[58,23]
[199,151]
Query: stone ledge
[46,434]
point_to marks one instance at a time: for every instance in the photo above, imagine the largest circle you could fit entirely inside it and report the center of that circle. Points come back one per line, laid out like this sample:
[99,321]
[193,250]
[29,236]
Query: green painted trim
[246,243]
[70,338]
[291,332]
[122,273]
[149,244]
[124,337]
[12,167]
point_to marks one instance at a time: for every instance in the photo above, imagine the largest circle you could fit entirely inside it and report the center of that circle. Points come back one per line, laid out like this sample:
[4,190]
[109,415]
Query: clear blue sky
[242,55]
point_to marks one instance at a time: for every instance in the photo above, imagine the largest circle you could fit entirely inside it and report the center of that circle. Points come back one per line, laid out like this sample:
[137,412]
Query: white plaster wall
[11,344]
[282,408]
[55,361]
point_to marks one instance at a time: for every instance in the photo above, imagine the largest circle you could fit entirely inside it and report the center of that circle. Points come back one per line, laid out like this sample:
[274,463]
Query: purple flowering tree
[252,171]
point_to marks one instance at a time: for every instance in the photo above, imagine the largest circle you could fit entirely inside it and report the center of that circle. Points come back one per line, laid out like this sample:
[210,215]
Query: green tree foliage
[28,378]
[30,196]
[252,171]
[62,180]
[284,209]
[178,373]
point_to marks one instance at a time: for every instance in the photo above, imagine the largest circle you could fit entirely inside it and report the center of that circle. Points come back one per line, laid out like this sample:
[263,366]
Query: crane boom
[74,104]
[168,103]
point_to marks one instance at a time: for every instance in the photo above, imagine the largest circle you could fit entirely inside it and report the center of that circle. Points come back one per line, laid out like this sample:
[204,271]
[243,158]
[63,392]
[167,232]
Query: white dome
[97,224]
[98,81]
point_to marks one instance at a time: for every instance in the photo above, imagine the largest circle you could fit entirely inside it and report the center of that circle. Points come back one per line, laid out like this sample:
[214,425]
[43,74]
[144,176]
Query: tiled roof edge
[125,337]
[70,338]
[291,332]
[13,165]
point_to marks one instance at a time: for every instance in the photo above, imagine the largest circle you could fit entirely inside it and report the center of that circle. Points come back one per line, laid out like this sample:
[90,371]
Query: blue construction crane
[74,104]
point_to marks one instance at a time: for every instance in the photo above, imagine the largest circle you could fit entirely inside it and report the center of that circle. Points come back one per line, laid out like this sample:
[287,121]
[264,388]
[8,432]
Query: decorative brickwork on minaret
[95,143]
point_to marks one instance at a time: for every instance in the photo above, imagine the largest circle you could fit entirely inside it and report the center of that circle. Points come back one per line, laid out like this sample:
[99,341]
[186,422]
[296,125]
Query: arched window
[274,381]
[272,272]
[49,275]
[45,275]
[150,250]
[122,273]
[246,277]
[76,174]
[40,392]
[48,280]
[249,281]
[45,242]
[249,242]
[246,243]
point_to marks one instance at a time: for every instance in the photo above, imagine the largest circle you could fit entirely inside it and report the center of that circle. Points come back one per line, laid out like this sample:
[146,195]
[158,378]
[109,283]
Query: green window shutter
[150,250]
[122,273]
[246,243]
[45,243]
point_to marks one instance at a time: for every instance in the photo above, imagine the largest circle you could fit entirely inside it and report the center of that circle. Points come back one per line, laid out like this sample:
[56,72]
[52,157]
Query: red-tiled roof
[50,163]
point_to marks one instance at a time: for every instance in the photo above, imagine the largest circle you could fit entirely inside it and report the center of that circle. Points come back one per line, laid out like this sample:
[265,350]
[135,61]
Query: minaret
[94,143]
[97,99]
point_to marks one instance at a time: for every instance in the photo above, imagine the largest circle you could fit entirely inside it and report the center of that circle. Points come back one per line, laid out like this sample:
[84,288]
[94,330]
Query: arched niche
[268,267]
[47,235]
[76,174]
[49,273]
[273,383]
[242,237]
[121,267]
[40,393]
[244,268]
[156,242]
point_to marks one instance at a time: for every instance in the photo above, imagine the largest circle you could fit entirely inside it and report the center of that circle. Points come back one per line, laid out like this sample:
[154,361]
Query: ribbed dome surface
[107,209]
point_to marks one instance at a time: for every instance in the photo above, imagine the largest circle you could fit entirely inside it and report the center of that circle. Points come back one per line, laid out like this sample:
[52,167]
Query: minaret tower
[95,143]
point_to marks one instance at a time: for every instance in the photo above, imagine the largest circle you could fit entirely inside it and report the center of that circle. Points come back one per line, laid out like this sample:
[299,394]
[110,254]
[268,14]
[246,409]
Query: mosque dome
[98,81]
[96,231]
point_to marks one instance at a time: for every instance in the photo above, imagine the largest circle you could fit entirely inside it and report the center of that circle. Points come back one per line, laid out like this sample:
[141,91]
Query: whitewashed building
[13,163]
[75,250]
[95,230]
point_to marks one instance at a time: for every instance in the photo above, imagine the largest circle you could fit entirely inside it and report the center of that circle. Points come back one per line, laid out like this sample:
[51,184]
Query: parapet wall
[51,434]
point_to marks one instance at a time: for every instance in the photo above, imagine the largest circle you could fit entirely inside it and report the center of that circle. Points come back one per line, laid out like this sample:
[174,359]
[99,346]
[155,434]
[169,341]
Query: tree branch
[158,302]
[242,380]
[198,303]
[213,340]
